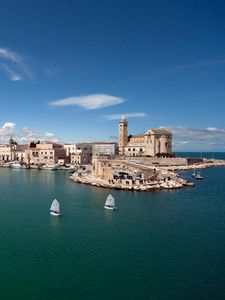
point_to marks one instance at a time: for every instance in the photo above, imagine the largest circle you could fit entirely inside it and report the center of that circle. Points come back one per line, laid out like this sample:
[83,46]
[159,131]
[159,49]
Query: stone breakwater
[166,178]
[203,165]
[171,181]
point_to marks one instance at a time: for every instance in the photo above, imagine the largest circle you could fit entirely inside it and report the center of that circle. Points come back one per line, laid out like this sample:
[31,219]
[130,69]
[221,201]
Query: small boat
[196,175]
[16,165]
[51,166]
[54,209]
[71,169]
[193,174]
[110,203]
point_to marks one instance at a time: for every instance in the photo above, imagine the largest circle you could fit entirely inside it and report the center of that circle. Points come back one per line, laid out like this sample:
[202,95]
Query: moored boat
[51,166]
[16,165]
[197,175]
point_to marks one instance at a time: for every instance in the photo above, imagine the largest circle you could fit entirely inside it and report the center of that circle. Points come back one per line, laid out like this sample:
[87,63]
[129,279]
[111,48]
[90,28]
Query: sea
[157,245]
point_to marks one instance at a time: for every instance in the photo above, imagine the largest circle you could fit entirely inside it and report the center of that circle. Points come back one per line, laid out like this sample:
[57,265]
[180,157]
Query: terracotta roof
[163,131]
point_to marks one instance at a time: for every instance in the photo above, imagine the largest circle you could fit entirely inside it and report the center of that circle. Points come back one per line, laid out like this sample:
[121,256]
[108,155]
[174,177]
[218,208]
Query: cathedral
[154,142]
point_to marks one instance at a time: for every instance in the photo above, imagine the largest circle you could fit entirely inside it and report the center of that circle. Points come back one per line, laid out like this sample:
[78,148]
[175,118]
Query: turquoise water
[159,245]
[210,155]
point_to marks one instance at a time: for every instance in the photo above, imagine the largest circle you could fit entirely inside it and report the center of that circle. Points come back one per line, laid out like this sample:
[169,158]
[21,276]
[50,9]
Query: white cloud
[198,138]
[14,65]
[7,131]
[28,135]
[127,115]
[9,55]
[49,134]
[93,101]
[23,136]
[9,125]
[212,129]
[12,75]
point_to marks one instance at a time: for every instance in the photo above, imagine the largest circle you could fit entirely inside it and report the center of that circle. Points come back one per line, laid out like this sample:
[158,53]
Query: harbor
[127,175]
[158,178]
[89,244]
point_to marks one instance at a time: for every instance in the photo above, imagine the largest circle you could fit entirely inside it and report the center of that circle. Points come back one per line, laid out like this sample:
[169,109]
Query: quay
[123,174]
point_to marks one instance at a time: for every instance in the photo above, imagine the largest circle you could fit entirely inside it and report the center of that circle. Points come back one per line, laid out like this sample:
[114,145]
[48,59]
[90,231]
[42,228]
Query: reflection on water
[55,223]
[110,214]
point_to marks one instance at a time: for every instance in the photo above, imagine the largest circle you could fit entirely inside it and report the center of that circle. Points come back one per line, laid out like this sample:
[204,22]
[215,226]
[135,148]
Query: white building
[79,153]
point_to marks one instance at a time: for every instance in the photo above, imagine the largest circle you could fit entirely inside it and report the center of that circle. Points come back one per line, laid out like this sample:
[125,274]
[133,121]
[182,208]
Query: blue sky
[69,69]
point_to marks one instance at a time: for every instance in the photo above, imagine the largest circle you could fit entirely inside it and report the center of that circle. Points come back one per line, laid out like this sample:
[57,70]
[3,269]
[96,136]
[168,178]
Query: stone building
[12,151]
[154,142]
[104,148]
[44,153]
[79,153]
[6,152]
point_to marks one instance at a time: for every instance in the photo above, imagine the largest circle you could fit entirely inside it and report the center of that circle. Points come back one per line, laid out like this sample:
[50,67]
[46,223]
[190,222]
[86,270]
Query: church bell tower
[123,134]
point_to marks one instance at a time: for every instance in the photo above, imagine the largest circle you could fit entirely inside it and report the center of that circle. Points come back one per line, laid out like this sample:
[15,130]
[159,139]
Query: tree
[12,141]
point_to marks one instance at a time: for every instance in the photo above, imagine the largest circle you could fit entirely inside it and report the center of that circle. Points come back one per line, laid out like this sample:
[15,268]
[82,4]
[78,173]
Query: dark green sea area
[158,245]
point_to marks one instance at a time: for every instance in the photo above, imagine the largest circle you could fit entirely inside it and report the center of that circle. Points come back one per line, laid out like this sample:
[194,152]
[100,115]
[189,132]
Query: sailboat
[54,209]
[193,174]
[197,175]
[110,203]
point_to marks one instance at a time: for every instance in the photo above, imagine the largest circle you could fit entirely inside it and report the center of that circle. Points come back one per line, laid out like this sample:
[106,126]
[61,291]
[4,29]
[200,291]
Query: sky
[70,69]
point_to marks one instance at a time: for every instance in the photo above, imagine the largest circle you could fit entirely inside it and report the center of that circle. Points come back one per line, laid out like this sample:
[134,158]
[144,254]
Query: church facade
[154,142]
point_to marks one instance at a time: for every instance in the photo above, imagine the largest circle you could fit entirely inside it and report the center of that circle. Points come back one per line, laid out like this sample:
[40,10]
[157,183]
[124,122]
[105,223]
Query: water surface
[157,245]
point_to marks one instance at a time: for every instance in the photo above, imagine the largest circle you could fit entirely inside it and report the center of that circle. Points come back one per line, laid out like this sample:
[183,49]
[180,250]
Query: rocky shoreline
[168,179]
[173,183]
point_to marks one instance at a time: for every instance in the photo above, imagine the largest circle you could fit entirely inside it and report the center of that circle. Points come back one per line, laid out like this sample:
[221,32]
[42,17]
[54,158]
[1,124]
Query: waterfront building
[12,151]
[18,152]
[79,153]
[5,152]
[154,142]
[104,148]
[44,153]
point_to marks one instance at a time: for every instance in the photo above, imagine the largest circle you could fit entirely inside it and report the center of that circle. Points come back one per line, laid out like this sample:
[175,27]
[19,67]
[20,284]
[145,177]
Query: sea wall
[165,161]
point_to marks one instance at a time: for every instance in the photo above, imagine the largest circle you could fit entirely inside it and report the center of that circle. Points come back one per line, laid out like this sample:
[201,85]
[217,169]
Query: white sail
[55,206]
[110,201]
